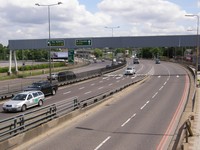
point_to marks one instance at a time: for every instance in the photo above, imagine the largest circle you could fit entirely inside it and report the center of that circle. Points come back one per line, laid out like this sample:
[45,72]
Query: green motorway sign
[83,42]
[56,43]
[71,56]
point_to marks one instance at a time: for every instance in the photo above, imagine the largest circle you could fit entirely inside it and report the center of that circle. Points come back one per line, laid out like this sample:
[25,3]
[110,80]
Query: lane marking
[161,88]
[128,120]
[110,84]
[81,88]
[92,84]
[155,95]
[165,83]
[159,76]
[88,92]
[100,145]
[170,127]
[67,92]
[100,88]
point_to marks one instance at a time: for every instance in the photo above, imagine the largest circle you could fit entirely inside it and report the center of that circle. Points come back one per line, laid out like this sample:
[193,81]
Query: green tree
[98,53]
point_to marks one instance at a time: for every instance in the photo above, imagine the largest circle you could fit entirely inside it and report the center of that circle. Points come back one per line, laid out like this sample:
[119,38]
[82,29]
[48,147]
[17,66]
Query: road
[142,117]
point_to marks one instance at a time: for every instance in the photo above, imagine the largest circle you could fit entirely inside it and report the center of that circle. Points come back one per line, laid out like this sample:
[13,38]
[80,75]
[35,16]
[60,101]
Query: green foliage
[98,53]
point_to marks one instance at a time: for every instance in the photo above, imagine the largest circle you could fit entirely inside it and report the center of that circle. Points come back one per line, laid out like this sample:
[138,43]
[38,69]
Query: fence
[15,125]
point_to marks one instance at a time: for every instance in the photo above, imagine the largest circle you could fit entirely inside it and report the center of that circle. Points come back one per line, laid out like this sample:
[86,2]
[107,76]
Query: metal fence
[15,125]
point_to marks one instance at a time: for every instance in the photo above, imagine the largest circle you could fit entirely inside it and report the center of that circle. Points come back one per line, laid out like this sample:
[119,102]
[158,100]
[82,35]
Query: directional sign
[83,42]
[56,43]
[71,56]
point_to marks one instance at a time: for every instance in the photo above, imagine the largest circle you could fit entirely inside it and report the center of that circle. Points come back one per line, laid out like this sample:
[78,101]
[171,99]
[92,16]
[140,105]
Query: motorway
[142,117]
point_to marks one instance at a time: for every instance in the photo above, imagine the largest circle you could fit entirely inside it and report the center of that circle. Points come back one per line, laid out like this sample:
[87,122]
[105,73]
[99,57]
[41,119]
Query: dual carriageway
[143,116]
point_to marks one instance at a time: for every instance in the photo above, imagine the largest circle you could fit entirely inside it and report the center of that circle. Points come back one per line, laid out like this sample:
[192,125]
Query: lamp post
[197,52]
[112,28]
[49,42]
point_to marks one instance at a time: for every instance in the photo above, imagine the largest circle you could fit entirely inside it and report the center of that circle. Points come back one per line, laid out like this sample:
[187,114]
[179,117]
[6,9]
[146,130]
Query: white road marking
[81,88]
[110,84]
[100,88]
[102,143]
[177,76]
[161,88]
[165,83]
[67,92]
[155,95]
[92,84]
[128,120]
[88,92]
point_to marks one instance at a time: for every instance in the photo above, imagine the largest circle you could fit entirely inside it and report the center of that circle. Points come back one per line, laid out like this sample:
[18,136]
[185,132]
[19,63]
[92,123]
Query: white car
[24,100]
[130,71]
[54,76]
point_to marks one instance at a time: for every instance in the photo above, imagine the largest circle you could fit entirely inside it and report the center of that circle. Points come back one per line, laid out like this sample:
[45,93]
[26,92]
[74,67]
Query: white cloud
[21,19]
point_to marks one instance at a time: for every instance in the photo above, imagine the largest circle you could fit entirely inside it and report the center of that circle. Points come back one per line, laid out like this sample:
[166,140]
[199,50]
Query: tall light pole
[112,28]
[49,42]
[197,52]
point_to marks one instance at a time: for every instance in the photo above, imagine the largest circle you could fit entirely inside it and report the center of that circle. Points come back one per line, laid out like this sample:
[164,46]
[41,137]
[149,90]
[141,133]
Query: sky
[22,19]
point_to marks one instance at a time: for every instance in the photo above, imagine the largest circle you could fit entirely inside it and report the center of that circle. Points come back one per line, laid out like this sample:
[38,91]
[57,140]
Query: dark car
[157,61]
[45,86]
[66,75]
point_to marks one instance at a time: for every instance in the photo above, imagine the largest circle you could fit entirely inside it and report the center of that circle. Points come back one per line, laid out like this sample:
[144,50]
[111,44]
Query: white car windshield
[19,97]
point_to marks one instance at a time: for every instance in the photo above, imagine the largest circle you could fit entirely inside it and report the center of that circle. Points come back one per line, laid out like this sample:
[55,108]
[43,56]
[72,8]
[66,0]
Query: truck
[45,86]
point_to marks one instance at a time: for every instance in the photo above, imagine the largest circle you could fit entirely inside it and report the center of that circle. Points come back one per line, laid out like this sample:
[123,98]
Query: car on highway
[157,61]
[54,76]
[24,100]
[136,60]
[130,70]
[45,86]
[66,75]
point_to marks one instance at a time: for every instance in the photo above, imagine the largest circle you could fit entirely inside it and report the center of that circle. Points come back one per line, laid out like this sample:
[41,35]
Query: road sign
[83,42]
[71,56]
[56,43]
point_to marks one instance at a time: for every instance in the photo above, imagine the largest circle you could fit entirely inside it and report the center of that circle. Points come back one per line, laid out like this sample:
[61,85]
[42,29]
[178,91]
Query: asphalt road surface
[142,117]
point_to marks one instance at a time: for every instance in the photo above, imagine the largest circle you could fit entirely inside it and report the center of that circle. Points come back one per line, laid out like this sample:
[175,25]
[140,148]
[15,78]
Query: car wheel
[53,92]
[23,108]
[40,103]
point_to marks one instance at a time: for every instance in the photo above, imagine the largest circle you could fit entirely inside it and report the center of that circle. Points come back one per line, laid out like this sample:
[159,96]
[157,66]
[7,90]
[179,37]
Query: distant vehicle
[66,75]
[45,86]
[130,70]
[54,76]
[24,100]
[136,60]
[157,61]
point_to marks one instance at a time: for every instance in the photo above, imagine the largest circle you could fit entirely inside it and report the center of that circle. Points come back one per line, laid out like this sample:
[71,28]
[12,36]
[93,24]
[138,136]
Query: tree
[98,53]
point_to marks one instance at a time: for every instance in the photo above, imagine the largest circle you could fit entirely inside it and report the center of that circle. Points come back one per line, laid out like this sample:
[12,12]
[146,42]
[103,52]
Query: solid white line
[133,116]
[81,88]
[100,88]
[67,92]
[165,83]
[155,95]
[102,143]
[161,88]
[88,92]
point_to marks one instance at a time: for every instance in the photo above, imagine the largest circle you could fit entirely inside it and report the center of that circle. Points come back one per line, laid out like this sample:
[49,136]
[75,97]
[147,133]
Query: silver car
[24,100]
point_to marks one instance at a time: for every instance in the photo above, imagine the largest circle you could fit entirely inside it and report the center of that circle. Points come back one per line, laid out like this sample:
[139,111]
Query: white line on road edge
[102,143]
[165,83]
[67,92]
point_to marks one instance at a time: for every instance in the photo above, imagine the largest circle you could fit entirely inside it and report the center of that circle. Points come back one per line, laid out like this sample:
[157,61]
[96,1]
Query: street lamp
[49,42]
[197,52]
[112,28]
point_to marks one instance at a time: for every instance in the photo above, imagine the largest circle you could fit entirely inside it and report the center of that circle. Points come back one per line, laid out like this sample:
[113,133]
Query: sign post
[71,56]
[83,42]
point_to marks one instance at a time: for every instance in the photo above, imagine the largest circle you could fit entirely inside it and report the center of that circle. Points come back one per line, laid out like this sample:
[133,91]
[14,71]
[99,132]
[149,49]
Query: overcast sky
[22,19]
